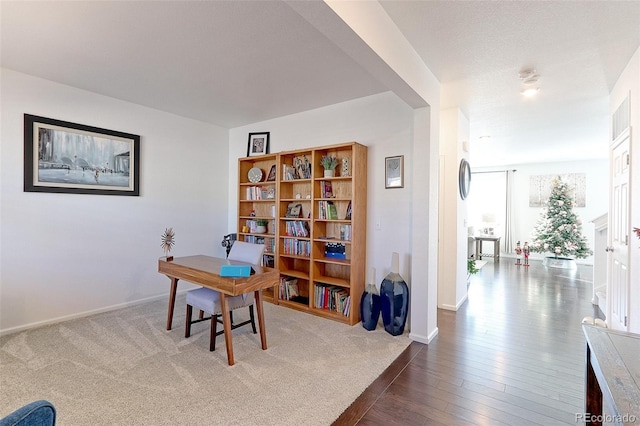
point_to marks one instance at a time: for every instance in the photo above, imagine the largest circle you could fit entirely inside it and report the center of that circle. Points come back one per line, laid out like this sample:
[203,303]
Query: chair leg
[187,322]
[253,321]
[214,333]
[201,316]
[231,317]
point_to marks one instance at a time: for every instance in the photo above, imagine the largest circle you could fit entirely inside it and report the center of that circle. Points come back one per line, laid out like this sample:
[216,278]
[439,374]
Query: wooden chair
[208,300]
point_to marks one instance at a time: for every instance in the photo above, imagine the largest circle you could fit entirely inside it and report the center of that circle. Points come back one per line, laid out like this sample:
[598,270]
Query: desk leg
[478,249]
[226,324]
[593,393]
[263,336]
[172,302]
[496,251]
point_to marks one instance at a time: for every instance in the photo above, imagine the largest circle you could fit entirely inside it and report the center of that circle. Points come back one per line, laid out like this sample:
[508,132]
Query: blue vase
[370,305]
[394,298]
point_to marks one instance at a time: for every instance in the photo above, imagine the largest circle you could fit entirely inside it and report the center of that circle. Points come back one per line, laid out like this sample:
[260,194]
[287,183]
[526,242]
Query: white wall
[629,85]
[452,261]
[381,122]
[525,218]
[62,255]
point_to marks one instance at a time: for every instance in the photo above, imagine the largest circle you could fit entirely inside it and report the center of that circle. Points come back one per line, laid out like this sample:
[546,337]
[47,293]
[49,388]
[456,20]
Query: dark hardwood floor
[512,354]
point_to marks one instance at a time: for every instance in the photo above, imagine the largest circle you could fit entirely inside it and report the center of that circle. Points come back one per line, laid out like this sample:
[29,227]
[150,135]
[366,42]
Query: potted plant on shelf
[329,162]
[261,226]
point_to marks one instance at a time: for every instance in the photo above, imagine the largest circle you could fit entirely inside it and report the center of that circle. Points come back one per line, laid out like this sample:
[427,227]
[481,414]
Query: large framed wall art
[540,187]
[65,157]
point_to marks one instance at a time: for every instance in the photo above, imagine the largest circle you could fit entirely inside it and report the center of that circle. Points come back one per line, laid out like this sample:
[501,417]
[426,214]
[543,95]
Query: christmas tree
[559,230]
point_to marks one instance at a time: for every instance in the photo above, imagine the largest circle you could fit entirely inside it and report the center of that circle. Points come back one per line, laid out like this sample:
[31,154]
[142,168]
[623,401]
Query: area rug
[123,367]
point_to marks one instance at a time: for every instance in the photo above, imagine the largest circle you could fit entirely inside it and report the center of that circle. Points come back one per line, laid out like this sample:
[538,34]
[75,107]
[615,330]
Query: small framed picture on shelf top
[258,144]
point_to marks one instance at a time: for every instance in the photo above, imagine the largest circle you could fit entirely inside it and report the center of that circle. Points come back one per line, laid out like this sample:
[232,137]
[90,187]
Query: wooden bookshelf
[321,252]
[257,201]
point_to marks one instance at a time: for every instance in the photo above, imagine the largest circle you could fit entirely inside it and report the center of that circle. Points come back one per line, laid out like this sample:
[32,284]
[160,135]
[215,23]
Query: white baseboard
[424,339]
[454,307]
[17,329]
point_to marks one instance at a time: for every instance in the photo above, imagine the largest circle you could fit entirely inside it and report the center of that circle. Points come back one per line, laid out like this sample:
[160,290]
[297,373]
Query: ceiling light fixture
[530,91]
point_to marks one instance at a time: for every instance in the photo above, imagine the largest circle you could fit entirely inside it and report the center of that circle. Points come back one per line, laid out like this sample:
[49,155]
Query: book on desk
[240,271]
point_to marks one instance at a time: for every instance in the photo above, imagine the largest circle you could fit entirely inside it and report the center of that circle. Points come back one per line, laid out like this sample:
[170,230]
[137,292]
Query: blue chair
[208,300]
[37,413]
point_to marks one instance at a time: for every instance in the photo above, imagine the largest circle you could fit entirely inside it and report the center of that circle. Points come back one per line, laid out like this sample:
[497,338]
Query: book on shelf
[268,260]
[252,225]
[269,243]
[333,211]
[345,232]
[289,172]
[348,215]
[326,190]
[289,288]
[297,228]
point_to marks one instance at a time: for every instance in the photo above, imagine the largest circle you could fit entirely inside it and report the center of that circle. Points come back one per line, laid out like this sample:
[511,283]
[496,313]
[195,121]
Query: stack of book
[297,228]
[259,192]
[332,298]
[256,240]
[296,247]
[327,210]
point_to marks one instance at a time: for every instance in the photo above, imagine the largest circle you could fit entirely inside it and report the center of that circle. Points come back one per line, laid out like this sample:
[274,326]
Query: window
[487,203]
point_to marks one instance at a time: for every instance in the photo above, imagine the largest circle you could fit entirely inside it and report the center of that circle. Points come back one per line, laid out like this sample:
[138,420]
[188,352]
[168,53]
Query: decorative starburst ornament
[168,240]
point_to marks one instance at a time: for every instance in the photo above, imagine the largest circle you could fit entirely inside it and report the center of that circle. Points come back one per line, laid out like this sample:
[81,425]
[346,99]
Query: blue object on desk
[235,270]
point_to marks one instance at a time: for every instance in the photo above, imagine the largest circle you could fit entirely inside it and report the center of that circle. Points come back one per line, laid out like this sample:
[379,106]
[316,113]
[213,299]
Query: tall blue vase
[394,298]
[370,304]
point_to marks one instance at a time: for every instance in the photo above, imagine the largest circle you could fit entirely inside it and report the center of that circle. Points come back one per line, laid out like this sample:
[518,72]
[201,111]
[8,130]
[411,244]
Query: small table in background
[496,247]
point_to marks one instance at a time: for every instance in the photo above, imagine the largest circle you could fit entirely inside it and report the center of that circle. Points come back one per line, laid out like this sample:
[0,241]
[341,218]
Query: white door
[618,297]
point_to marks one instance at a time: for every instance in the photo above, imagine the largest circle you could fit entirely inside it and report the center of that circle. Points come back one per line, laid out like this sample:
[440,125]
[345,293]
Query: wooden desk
[613,377]
[496,247]
[205,271]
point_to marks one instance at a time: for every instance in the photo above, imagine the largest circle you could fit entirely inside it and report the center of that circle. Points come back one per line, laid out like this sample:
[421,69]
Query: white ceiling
[232,63]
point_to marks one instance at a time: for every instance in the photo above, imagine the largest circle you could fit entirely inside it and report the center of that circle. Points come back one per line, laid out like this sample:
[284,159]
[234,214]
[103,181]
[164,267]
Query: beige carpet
[124,368]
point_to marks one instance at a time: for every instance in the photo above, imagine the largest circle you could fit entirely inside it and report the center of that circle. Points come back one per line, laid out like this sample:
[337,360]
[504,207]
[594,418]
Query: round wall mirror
[464,178]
